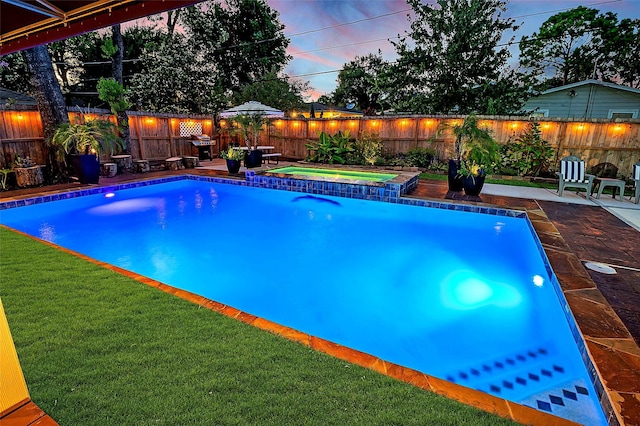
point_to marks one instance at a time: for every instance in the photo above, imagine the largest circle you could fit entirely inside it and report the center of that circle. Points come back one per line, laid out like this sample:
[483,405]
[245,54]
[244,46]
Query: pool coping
[551,245]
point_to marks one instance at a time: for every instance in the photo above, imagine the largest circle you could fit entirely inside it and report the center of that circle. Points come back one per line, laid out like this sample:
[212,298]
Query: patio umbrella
[252,107]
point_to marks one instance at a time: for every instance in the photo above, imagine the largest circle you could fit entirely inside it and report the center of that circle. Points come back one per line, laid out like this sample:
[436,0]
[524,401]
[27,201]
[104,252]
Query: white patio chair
[572,174]
[635,175]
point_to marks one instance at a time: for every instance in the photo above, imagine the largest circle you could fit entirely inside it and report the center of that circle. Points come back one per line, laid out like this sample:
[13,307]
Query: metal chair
[572,174]
[635,175]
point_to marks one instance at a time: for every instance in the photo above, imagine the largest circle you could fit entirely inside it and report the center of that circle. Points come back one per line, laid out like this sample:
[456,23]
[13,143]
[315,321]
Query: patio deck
[572,231]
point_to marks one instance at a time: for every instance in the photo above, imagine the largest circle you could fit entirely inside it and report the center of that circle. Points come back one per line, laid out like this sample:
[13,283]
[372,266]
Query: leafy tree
[174,78]
[453,49]
[14,74]
[572,46]
[222,52]
[361,81]
[112,92]
[245,39]
[626,60]
[69,58]
[280,92]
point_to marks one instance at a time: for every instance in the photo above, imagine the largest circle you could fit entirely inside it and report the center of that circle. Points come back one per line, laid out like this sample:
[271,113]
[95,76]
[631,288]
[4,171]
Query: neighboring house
[319,110]
[586,99]
[9,99]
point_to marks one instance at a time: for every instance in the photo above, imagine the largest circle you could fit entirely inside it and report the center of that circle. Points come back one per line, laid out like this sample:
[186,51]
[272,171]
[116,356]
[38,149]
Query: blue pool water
[462,296]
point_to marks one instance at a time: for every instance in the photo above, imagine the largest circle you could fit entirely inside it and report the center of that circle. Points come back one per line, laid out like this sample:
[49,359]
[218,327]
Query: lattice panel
[188,128]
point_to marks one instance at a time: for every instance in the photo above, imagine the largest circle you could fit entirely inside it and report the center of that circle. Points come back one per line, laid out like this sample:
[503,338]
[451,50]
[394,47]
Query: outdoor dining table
[267,153]
[265,148]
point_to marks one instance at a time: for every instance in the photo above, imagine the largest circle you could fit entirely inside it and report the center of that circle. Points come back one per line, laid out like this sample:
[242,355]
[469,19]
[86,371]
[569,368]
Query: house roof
[595,82]
[16,98]
[318,107]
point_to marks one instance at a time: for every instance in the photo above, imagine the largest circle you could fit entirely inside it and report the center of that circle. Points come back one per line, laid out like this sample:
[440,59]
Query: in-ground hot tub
[351,182]
[347,174]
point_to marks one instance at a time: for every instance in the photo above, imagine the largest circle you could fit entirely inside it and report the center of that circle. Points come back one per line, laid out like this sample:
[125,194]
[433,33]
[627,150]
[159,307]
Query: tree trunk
[53,111]
[123,123]
[116,59]
[116,68]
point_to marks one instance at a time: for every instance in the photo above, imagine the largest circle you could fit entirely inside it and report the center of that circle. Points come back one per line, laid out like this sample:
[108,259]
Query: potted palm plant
[83,142]
[249,126]
[467,133]
[479,158]
[234,155]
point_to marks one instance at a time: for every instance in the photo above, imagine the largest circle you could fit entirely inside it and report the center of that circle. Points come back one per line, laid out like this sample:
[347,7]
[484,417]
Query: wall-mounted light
[428,123]
[374,123]
[546,126]
[296,124]
[223,123]
[312,123]
[352,123]
[333,124]
[403,122]
[149,120]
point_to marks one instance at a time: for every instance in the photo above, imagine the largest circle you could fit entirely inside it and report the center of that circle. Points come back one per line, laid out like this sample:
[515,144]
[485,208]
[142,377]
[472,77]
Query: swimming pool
[438,291]
[350,175]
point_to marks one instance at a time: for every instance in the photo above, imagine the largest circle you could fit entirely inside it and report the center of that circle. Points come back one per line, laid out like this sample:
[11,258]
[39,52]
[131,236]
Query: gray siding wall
[590,101]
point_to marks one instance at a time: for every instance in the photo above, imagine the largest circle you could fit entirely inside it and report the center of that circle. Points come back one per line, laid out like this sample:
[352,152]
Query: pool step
[516,376]
[571,400]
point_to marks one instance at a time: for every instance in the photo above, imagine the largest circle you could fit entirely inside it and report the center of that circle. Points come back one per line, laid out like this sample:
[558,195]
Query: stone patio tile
[595,319]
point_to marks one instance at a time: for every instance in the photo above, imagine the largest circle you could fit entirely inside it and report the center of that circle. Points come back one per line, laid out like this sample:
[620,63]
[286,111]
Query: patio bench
[268,157]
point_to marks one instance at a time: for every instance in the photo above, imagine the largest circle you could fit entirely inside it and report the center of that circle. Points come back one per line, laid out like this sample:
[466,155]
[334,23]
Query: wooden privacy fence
[153,136]
[157,136]
[596,141]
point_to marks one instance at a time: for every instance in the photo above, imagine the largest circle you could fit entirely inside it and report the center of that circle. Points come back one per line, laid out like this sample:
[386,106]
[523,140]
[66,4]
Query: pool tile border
[294,185]
[535,220]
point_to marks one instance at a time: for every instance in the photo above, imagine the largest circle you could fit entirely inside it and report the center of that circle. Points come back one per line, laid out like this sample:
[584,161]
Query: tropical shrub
[233,153]
[529,154]
[367,148]
[420,157]
[330,148]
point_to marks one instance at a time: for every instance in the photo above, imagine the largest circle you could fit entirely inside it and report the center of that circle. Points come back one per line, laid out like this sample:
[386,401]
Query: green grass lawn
[98,348]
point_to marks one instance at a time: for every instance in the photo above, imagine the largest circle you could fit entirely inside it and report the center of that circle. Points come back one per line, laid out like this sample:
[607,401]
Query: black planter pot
[86,167]
[455,181]
[233,166]
[253,158]
[473,184]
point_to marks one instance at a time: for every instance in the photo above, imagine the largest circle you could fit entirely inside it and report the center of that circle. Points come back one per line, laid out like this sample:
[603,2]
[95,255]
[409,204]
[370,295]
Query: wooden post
[139,136]
[562,135]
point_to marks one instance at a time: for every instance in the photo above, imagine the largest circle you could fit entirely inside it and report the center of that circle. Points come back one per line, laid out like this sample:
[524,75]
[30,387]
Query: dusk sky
[326,34]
